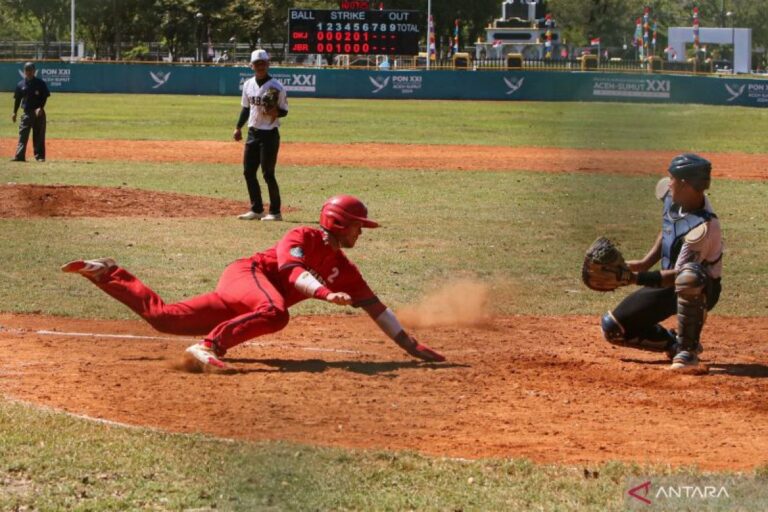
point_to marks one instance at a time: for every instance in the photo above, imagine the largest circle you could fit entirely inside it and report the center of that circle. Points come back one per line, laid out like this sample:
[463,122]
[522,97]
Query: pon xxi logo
[159,78]
[735,91]
[513,84]
[379,83]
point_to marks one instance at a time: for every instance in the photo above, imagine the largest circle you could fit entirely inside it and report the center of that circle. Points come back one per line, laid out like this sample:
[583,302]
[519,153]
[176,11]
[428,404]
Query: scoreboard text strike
[355,32]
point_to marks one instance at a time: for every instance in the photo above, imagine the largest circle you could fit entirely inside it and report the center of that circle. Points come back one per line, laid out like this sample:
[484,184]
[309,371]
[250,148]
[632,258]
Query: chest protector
[674,228]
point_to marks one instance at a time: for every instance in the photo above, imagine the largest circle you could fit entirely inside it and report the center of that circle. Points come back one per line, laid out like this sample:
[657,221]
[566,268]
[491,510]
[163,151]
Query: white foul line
[119,336]
[45,332]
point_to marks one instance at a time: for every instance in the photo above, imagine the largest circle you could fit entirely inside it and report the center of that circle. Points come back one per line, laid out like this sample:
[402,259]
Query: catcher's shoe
[92,269]
[272,217]
[251,216]
[206,354]
[674,347]
[684,359]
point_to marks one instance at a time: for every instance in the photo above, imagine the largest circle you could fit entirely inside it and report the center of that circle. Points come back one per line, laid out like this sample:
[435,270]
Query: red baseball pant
[244,305]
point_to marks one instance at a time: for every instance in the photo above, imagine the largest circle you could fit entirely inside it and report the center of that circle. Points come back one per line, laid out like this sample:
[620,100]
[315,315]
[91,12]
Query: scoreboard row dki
[354,32]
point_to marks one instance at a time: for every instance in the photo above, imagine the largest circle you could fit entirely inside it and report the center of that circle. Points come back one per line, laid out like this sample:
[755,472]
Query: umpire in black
[31,93]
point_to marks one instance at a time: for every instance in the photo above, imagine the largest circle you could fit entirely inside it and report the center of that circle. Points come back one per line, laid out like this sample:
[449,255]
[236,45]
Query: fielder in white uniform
[263,142]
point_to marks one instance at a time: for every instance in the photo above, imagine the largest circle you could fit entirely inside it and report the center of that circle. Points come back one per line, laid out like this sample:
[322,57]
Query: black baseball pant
[261,149]
[646,307]
[35,124]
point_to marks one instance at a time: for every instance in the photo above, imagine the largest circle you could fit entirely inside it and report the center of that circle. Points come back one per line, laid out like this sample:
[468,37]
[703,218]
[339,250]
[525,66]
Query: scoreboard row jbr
[354,32]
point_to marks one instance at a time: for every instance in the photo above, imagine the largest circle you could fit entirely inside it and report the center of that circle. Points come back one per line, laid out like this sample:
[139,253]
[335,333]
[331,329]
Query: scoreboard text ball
[354,32]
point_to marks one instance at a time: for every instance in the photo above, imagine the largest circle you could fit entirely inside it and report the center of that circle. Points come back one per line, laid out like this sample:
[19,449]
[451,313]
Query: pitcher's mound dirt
[79,201]
[541,387]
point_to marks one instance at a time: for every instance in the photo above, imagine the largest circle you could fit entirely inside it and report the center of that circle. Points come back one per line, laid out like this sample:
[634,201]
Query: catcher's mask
[339,212]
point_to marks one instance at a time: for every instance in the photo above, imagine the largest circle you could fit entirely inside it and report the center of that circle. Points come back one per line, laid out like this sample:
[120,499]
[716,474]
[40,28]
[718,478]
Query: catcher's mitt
[270,99]
[604,268]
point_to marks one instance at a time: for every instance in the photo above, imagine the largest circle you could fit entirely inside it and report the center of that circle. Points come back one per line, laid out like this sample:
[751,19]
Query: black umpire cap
[28,66]
[693,169]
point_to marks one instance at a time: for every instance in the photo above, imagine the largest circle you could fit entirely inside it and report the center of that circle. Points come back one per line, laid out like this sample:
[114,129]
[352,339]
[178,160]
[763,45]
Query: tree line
[107,26]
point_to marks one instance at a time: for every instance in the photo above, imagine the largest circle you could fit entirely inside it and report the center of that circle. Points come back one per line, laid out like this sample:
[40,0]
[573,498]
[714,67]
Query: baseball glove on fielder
[604,268]
[270,99]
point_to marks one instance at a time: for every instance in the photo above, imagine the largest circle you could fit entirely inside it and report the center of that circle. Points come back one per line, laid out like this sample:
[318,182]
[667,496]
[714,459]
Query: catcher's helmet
[693,169]
[339,212]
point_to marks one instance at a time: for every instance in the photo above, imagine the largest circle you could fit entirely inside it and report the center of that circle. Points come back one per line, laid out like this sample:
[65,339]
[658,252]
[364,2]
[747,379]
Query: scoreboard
[354,32]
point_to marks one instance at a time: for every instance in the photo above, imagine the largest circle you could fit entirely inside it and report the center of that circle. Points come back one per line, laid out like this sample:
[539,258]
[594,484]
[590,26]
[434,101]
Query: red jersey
[310,249]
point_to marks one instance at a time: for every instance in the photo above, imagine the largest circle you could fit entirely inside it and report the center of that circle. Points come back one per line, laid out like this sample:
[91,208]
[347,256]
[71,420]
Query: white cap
[259,55]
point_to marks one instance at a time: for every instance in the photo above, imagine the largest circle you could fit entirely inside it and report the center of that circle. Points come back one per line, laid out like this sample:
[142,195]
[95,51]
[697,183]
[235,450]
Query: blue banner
[443,84]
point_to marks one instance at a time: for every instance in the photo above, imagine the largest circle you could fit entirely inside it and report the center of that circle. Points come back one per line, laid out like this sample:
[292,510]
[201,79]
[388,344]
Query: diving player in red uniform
[253,294]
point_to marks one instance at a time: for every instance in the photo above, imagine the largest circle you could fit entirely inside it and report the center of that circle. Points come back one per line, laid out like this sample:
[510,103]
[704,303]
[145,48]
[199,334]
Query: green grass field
[578,125]
[522,233]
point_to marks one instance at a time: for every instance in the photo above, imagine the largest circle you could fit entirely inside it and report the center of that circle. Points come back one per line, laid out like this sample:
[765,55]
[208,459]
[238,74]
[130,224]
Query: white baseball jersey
[252,95]
[704,244]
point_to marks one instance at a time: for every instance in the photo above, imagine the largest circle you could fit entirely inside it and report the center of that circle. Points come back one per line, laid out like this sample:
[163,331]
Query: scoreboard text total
[355,32]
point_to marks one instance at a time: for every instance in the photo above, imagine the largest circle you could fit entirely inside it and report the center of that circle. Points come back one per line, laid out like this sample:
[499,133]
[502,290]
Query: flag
[548,22]
[696,29]
[595,41]
[497,43]
[432,50]
[456,37]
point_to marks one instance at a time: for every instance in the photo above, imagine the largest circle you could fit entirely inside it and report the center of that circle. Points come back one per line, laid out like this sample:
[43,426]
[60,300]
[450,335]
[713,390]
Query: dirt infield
[545,388]
[408,156]
[22,201]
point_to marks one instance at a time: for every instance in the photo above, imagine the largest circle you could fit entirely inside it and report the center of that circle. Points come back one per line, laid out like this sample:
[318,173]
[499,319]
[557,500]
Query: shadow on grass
[320,366]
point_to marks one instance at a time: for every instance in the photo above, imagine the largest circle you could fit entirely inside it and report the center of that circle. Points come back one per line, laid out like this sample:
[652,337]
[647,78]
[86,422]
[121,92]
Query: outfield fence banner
[359,83]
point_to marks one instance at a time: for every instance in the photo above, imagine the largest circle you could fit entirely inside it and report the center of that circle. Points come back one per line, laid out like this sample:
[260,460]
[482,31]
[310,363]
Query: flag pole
[72,32]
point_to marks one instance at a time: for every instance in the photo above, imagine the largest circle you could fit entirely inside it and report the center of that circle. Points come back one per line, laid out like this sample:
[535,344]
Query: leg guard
[653,339]
[690,286]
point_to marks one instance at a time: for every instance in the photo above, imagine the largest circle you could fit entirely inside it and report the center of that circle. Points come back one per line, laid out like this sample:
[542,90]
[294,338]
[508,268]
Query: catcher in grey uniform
[690,248]
[263,103]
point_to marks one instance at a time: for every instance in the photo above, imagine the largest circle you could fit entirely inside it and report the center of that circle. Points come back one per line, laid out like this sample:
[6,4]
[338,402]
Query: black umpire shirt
[32,94]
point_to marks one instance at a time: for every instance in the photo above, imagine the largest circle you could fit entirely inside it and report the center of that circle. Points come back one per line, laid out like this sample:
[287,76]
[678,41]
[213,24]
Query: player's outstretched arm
[308,285]
[387,321]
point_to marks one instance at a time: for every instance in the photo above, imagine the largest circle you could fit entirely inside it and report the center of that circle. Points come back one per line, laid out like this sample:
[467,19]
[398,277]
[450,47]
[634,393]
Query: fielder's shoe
[250,216]
[206,353]
[40,159]
[92,269]
[272,217]
[684,359]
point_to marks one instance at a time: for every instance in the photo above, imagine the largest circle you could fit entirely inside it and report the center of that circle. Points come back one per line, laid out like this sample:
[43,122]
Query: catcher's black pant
[646,307]
[261,149]
[35,124]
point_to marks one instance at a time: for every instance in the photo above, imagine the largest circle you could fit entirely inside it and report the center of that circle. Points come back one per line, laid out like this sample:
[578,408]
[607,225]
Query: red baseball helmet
[339,212]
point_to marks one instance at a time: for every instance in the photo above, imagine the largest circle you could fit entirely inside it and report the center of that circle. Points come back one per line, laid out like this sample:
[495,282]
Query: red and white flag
[595,41]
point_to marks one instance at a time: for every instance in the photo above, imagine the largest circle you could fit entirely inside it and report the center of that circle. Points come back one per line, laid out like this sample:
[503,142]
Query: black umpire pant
[35,124]
[640,311]
[261,149]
